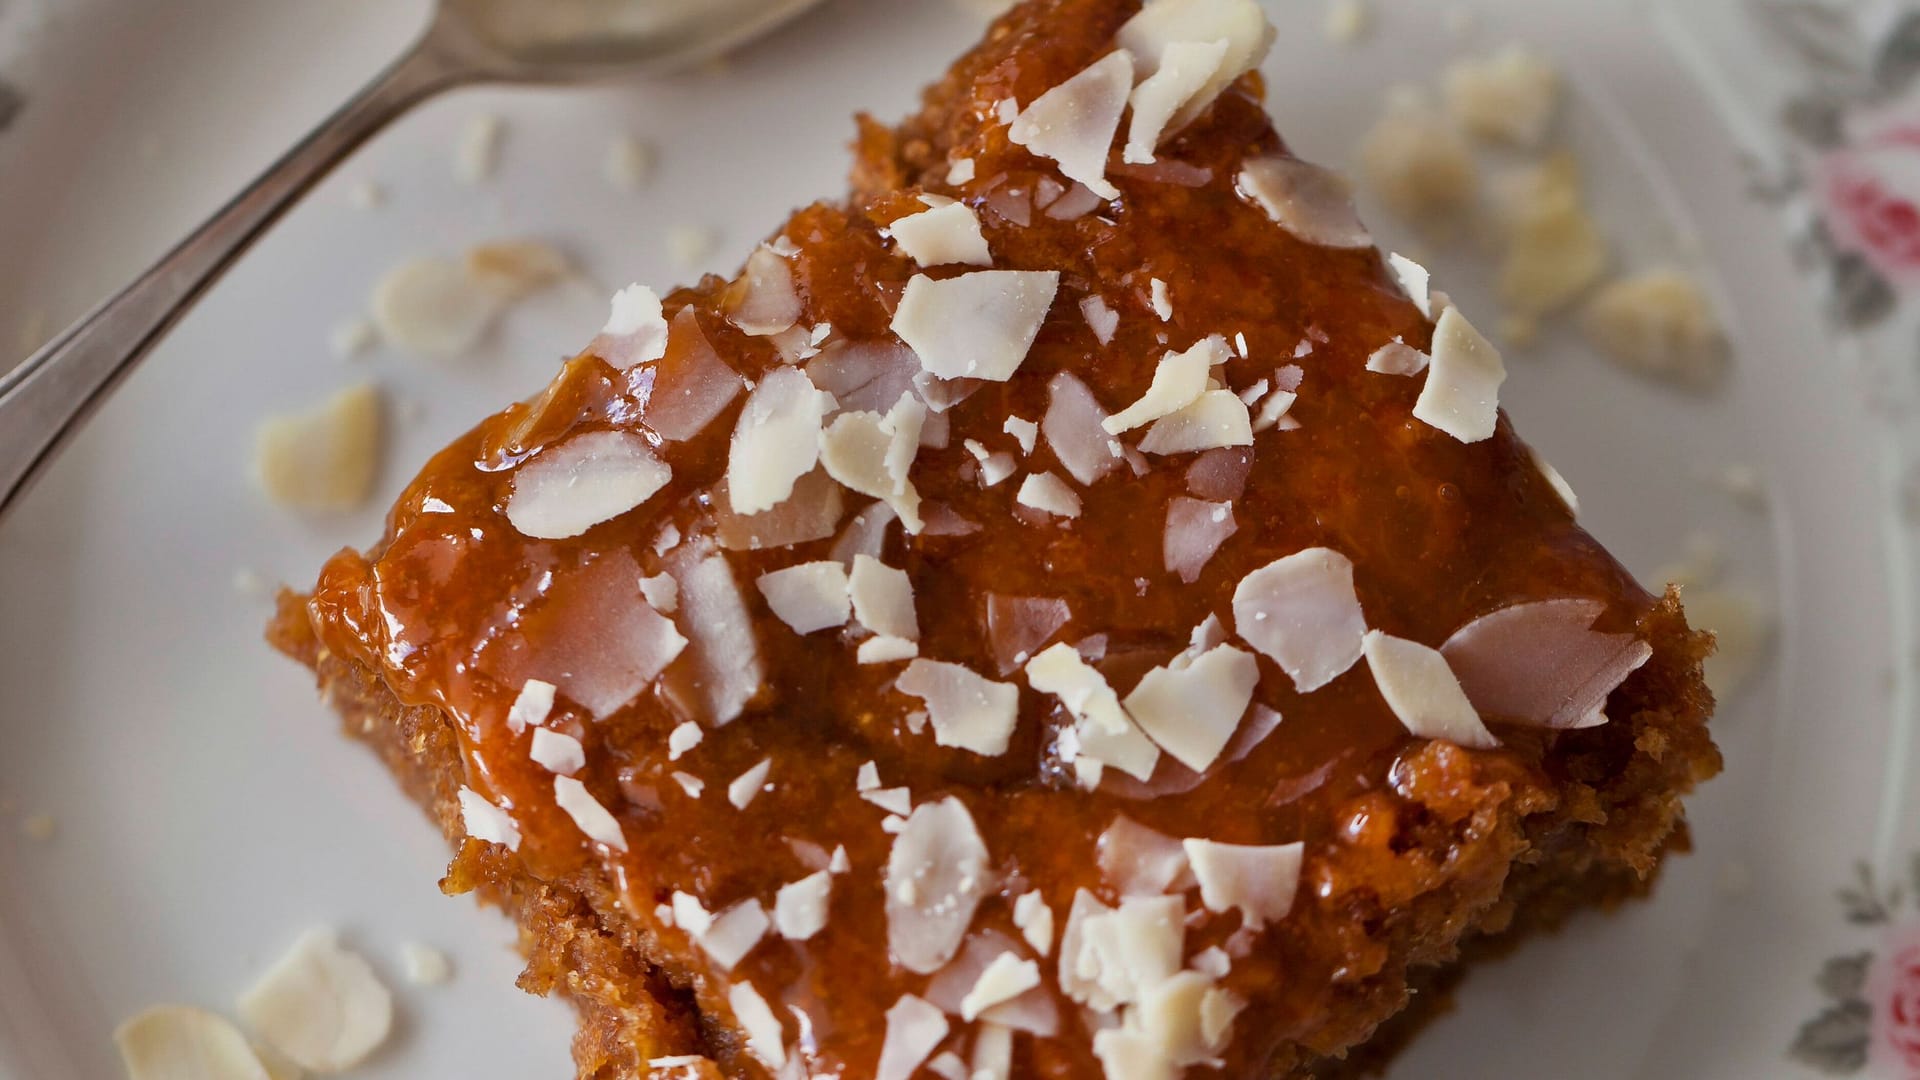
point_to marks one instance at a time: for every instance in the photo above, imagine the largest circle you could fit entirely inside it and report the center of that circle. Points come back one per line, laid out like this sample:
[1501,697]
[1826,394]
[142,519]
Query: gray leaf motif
[1822,36]
[11,102]
[1844,978]
[1860,297]
[1836,1041]
[1898,59]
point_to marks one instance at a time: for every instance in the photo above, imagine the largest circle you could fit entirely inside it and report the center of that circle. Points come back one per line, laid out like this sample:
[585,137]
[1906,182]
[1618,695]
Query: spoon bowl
[568,40]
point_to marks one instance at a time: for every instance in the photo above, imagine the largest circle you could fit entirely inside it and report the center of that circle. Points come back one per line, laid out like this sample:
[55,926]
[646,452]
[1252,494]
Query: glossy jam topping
[459,608]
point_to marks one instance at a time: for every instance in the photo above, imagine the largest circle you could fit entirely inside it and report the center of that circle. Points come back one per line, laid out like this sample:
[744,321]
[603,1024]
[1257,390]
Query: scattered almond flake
[1508,97]
[968,712]
[811,512]
[1050,494]
[1195,530]
[321,1005]
[776,441]
[1220,475]
[992,1052]
[960,172]
[994,467]
[1415,281]
[1742,629]
[1178,381]
[1172,1019]
[744,787]
[567,488]
[1252,394]
[1312,203]
[914,1028]
[1137,861]
[936,875]
[1074,425]
[1006,978]
[1032,1010]
[486,822]
[1422,691]
[1079,201]
[949,1066]
[1163,304]
[949,233]
[873,453]
[1462,393]
[595,637]
[628,164]
[1273,412]
[763,301]
[425,965]
[1193,712]
[1212,961]
[1555,481]
[691,1062]
[366,195]
[636,329]
[1024,432]
[1347,22]
[839,864]
[1109,955]
[1554,248]
[1019,626]
[682,739]
[585,810]
[1152,33]
[325,458]
[179,1042]
[1101,319]
[976,325]
[727,670]
[531,706]
[1035,921]
[1214,419]
[661,592]
[1074,123]
[808,597]
[512,270]
[1302,613]
[883,599]
[689,783]
[1659,323]
[353,338]
[1397,357]
[766,1039]
[1542,663]
[734,932]
[690,914]
[1186,68]
[39,828]
[689,245]
[1259,880]
[1416,160]
[1105,732]
[556,752]
[886,649]
[478,153]
[867,777]
[894,800]
[866,376]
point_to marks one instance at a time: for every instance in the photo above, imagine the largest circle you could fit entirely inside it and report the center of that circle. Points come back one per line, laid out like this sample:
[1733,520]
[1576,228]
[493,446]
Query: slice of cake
[1072,608]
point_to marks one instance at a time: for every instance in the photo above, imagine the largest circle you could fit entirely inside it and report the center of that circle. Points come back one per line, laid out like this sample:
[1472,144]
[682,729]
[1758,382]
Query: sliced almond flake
[1214,419]
[569,487]
[1462,394]
[884,649]
[977,325]
[883,599]
[1178,381]
[1024,432]
[556,752]
[1105,732]
[1173,1016]
[1186,68]
[960,172]
[690,914]
[1116,953]
[1260,880]
[1101,319]
[1050,494]
[1195,530]
[1555,481]
[811,512]
[1541,663]
[432,306]
[1218,1009]
[914,1028]
[994,466]
[1273,412]
[689,783]
[321,1006]
[941,395]
[1220,475]
[326,458]
[992,1052]
[839,863]
[1162,23]
[748,784]
[478,153]
[636,329]
[1019,626]
[968,712]
[1162,302]
[1137,861]
[1193,712]
[1074,425]
[872,453]
[627,164]
[1006,978]
[662,593]
[808,597]
[1074,123]
[692,386]
[1006,110]
[865,376]
[667,540]
[531,707]
[867,777]
[1415,281]
[1212,961]
[1035,921]
[586,812]
[516,269]
[1301,612]
[1397,357]
[894,800]
[1422,691]
[949,1066]
[1312,203]
[1079,201]
[683,738]
[486,822]
[1252,394]
[1032,1010]
[936,875]
[734,932]
[945,234]
[776,441]
[763,302]
[179,1042]
[766,1039]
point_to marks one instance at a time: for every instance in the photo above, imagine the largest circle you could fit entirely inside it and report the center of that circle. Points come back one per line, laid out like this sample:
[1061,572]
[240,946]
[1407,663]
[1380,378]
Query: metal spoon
[45,399]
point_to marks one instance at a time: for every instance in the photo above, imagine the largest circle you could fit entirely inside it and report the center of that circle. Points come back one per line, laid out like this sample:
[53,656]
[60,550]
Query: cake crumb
[425,965]
[1416,161]
[1659,323]
[689,245]
[38,827]
[1509,97]
[1742,628]
[478,155]
[629,163]
[1554,248]
[1348,21]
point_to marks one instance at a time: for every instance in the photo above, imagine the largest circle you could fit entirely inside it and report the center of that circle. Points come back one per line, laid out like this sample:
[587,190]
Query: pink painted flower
[1899,1007]
[1872,194]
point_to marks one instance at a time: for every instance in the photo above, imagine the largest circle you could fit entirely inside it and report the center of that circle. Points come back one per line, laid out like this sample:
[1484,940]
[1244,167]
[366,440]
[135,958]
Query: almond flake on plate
[1159,25]
[531,706]
[1313,203]
[1194,532]
[1186,68]
[321,1005]
[763,301]
[748,784]
[1050,494]
[593,819]
[1074,123]
[800,907]
[636,329]
[478,152]
[179,1042]
[1508,97]
[1260,880]
[1105,732]
[1541,663]
[947,233]
[556,752]
[1178,381]
[808,597]
[325,458]
[766,1039]
[1215,419]
[425,965]
[1422,691]
[936,875]
[733,933]
[1006,978]
[977,325]
[1301,612]
[1192,712]
[568,488]
[1397,357]
[1462,393]
[776,441]
[1034,919]
[914,1028]
[968,711]
[513,270]
[628,163]
[432,306]
[486,822]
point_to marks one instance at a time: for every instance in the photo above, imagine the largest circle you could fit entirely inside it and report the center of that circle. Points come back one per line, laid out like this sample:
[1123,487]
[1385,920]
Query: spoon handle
[45,399]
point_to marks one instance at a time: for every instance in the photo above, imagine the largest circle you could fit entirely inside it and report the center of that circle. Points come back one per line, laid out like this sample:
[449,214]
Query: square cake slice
[1071,608]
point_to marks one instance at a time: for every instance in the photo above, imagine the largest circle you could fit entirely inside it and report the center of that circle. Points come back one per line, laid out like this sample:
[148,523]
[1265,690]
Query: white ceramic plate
[207,811]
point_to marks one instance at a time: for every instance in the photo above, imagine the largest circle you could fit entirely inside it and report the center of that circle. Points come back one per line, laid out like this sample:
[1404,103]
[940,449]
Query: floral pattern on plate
[1872,1019]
